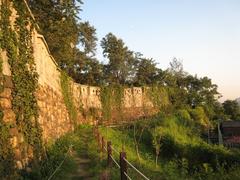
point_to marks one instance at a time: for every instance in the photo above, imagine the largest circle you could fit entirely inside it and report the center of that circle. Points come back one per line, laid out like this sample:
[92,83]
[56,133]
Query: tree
[121,59]
[157,135]
[200,117]
[88,39]
[146,72]
[59,23]
[232,109]
[71,42]
[176,67]
[88,69]
[176,83]
[91,73]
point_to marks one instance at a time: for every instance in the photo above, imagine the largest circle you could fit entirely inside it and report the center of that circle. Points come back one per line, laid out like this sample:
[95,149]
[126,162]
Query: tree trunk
[136,144]
[156,159]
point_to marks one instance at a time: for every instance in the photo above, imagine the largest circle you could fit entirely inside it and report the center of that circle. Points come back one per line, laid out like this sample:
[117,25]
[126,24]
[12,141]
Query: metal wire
[115,161]
[136,169]
[60,165]
[127,163]
[115,150]
[127,176]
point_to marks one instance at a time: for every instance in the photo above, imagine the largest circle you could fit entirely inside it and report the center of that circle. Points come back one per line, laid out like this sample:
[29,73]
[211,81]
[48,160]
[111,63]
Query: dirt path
[82,169]
[83,162]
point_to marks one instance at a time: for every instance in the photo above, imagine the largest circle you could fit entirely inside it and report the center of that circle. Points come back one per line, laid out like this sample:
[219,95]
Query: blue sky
[204,34]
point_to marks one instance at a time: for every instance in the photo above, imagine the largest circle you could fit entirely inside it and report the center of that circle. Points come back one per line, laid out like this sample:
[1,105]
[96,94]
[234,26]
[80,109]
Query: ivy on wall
[112,99]
[18,45]
[158,95]
[6,152]
[68,97]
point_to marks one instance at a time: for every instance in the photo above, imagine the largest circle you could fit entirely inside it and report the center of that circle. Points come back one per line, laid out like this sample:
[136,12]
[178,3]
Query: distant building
[231,133]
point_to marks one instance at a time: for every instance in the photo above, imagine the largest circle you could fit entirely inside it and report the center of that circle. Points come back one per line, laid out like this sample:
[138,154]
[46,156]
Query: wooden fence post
[109,152]
[103,144]
[98,138]
[100,141]
[123,165]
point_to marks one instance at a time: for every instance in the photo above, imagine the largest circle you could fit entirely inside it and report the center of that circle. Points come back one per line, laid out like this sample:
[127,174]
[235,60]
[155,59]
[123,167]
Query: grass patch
[57,152]
[183,154]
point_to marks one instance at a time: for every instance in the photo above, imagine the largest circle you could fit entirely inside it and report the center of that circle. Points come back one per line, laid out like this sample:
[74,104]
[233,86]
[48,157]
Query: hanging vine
[18,45]
[112,100]
[6,152]
[68,98]
[159,97]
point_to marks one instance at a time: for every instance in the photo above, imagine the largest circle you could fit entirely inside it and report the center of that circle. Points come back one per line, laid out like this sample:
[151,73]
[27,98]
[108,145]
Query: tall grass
[183,154]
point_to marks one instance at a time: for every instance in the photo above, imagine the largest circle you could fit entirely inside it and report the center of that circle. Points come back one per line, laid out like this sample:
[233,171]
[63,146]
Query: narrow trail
[83,162]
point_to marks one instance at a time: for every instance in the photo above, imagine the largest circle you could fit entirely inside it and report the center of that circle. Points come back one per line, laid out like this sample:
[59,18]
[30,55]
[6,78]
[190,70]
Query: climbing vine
[68,98]
[18,45]
[158,96]
[106,101]
[6,152]
[112,98]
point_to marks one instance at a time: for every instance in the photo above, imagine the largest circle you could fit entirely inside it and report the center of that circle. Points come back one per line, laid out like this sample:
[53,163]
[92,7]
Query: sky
[203,34]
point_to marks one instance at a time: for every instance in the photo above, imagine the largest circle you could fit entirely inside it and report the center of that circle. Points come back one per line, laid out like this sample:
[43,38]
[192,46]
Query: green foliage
[184,116]
[90,73]
[18,45]
[199,116]
[181,141]
[25,78]
[121,60]
[6,152]
[232,109]
[146,72]
[183,154]
[71,41]
[105,95]
[66,147]
[117,138]
[88,38]
[86,68]
[157,134]
[112,100]
[68,97]
[59,23]
[159,97]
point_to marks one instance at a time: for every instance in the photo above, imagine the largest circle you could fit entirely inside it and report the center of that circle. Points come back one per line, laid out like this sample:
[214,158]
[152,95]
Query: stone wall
[53,115]
[85,97]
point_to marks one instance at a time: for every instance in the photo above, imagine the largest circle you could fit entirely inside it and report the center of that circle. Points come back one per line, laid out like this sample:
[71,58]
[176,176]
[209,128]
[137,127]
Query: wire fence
[60,165]
[123,162]
[139,172]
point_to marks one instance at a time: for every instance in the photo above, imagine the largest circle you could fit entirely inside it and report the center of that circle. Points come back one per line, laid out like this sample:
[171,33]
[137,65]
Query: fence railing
[122,164]
[60,165]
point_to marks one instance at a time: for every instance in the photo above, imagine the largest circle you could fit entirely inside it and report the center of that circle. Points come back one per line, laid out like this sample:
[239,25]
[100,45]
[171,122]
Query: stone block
[14,141]
[9,115]
[17,154]
[5,103]
[40,120]
[19,165]
[13,132]
[30,152]
[6,93]
[40,104]
[21,138]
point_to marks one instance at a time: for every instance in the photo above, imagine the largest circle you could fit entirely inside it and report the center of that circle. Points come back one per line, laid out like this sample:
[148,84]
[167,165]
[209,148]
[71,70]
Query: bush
[180,141]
